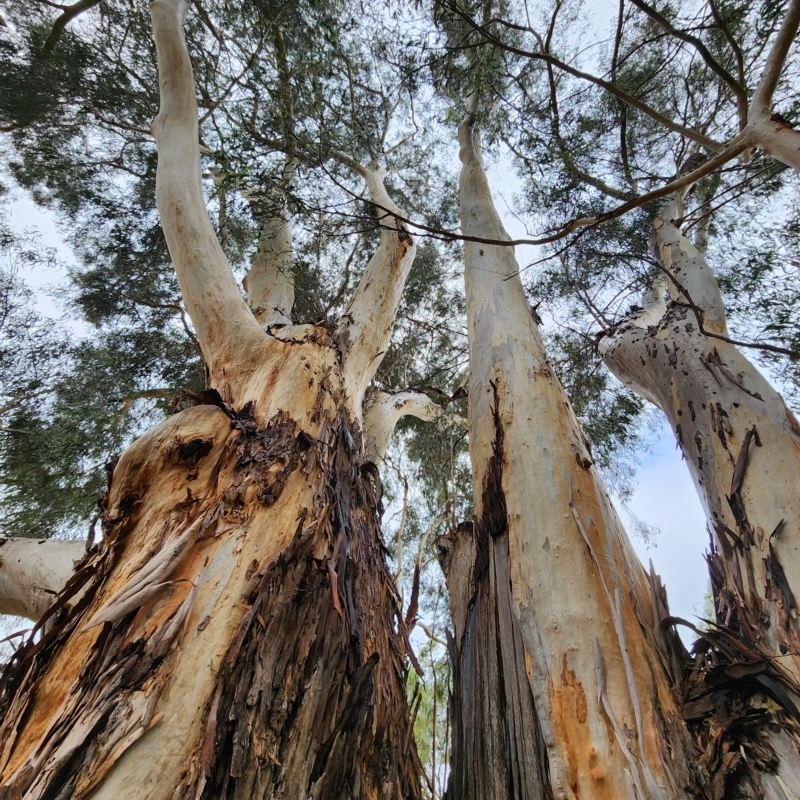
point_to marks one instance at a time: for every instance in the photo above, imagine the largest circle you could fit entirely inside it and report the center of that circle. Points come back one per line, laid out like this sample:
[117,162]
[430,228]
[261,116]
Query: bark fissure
[576,593]
[303,697]
[300,735]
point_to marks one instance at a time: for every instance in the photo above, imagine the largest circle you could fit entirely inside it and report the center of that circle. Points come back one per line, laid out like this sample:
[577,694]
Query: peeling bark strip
[303,703]
[742,448]
[498,748]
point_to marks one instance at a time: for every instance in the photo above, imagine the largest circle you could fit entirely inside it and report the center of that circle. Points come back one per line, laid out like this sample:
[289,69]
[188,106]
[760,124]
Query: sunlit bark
[563,672]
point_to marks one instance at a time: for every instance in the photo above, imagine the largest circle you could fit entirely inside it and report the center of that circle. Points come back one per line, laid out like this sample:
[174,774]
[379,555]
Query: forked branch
[762,97]
[212,297]
[687,268]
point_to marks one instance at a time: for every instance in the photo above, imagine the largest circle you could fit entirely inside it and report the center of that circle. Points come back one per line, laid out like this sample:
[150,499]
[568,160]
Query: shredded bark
[307,703]
[310,700]
[498,747]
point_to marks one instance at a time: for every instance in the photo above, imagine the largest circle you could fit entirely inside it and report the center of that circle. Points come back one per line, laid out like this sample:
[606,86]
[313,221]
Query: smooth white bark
[365,328]
[384,410]
[212,297]
[33,571]
[269,283]
[775,138]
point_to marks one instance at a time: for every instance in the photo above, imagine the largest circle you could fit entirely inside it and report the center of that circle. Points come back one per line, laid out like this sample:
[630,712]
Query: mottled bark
[234,635]
[742,447]
[565,683]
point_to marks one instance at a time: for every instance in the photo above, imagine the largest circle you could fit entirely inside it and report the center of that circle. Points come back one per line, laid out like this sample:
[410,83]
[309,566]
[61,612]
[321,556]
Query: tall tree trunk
[742,447]
[234,634]
[565,677]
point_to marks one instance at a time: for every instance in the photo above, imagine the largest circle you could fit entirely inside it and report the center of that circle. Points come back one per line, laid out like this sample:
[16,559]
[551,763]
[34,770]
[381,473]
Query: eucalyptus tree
[508,595]
[236,632]
[570,680]
[304,86]
[753,574]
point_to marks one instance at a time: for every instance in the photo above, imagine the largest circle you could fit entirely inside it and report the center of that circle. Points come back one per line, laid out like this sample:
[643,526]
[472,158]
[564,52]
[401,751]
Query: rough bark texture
[552,611]
[260,662]
[498,748]
[234,636]
[742,447]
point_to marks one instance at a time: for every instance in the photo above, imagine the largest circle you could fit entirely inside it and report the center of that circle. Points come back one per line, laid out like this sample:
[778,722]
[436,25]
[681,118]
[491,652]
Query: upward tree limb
[384,411]
[270,283]
[768,131]
[213,300]
[687,267]
[762,97]
[365,329]
[59,26]
[32,571]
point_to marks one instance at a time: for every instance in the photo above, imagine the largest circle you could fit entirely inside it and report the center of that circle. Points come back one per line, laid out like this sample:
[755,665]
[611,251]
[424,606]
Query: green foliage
[581,152]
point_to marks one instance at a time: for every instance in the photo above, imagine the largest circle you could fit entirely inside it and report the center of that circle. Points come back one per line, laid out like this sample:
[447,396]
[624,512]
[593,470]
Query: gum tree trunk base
[258,659]
[498,746]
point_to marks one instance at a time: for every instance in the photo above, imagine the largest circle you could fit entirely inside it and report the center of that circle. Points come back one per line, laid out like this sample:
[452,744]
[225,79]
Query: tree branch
[689,133]
[684,263]
[738,90]
[384,411]
[762,97]
[69,13]
[734,45]
[32,571]
[217,309]
[365,329]
[269,283]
